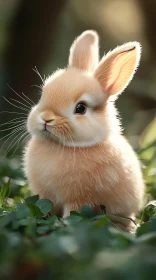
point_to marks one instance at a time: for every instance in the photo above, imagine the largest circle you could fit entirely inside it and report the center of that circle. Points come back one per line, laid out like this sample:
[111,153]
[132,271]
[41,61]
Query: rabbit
[77,154]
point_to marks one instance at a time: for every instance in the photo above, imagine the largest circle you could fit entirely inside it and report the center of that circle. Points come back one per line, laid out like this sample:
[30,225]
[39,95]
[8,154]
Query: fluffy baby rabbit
[77,155]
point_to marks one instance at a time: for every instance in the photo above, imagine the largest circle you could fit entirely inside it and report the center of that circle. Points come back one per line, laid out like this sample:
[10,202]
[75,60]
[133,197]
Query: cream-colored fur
[83,159]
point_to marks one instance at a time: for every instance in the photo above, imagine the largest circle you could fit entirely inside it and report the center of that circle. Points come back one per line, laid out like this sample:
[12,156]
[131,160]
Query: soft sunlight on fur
[85,46]
[78,158]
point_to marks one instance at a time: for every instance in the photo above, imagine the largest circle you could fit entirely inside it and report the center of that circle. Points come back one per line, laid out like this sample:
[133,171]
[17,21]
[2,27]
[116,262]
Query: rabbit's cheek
[32,119]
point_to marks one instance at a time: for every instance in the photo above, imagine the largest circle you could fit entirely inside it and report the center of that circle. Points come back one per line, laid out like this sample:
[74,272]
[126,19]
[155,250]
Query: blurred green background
[39,33]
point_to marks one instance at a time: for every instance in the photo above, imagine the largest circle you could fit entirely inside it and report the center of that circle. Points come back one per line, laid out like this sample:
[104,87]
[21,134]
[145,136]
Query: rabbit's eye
[80,108]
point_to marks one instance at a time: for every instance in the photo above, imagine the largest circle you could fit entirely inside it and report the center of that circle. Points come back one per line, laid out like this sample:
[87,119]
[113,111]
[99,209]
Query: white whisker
[25,138]
[63,144]
[28,99]
[12,142]
[20,103]
[14,121]
[37,72]
[7,135]
[14,124]
[73,146]
[20,95]
[10,135]
[18,125]
[18,113]
[17,142]
[24,109]
[40,87]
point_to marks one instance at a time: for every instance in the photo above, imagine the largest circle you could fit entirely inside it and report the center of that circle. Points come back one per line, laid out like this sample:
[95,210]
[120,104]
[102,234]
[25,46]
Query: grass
[37,245]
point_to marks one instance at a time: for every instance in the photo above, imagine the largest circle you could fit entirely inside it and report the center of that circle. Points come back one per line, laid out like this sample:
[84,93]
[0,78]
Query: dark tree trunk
[31,40]
[148,9]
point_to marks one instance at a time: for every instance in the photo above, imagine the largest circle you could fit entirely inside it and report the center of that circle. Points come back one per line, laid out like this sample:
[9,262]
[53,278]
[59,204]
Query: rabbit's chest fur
[102,174]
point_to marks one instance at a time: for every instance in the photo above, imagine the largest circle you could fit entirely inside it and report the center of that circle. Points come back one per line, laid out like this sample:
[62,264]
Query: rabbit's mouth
[45,127]
[49,135]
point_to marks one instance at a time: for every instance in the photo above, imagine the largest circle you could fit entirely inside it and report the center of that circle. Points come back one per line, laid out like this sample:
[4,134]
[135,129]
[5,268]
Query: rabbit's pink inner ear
[117,69]
[84,53]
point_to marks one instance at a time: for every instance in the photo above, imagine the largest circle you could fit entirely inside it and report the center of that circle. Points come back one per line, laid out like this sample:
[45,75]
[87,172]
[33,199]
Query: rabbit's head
[76,107]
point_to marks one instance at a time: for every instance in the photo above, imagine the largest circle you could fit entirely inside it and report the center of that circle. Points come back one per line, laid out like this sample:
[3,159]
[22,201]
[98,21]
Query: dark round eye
[80,108]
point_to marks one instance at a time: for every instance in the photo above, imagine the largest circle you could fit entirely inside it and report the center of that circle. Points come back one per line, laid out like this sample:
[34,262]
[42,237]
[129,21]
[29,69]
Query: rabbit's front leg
[66,210]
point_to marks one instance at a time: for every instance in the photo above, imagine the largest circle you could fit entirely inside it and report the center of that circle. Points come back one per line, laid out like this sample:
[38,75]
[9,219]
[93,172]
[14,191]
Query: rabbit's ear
[84,53]
[117,68]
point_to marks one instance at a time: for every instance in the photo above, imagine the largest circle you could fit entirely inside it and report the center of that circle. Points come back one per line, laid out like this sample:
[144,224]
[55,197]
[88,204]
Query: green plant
[37,245]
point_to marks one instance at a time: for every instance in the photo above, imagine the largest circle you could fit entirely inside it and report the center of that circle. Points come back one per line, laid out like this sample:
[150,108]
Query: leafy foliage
[35,244]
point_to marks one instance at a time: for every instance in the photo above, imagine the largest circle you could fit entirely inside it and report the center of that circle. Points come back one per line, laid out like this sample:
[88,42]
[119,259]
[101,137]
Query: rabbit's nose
[46,117]
[47,121]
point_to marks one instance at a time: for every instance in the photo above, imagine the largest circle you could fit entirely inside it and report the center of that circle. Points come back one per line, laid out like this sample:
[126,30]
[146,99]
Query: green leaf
[74,213]
[148,238]
[149,211]
[142,229]
[5,192]
[74,219]
[32,199]
[22,211]
[42,229]
[34,210]
[150,145]
[100,221]
[45,205]
[87,211]
[7,219]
